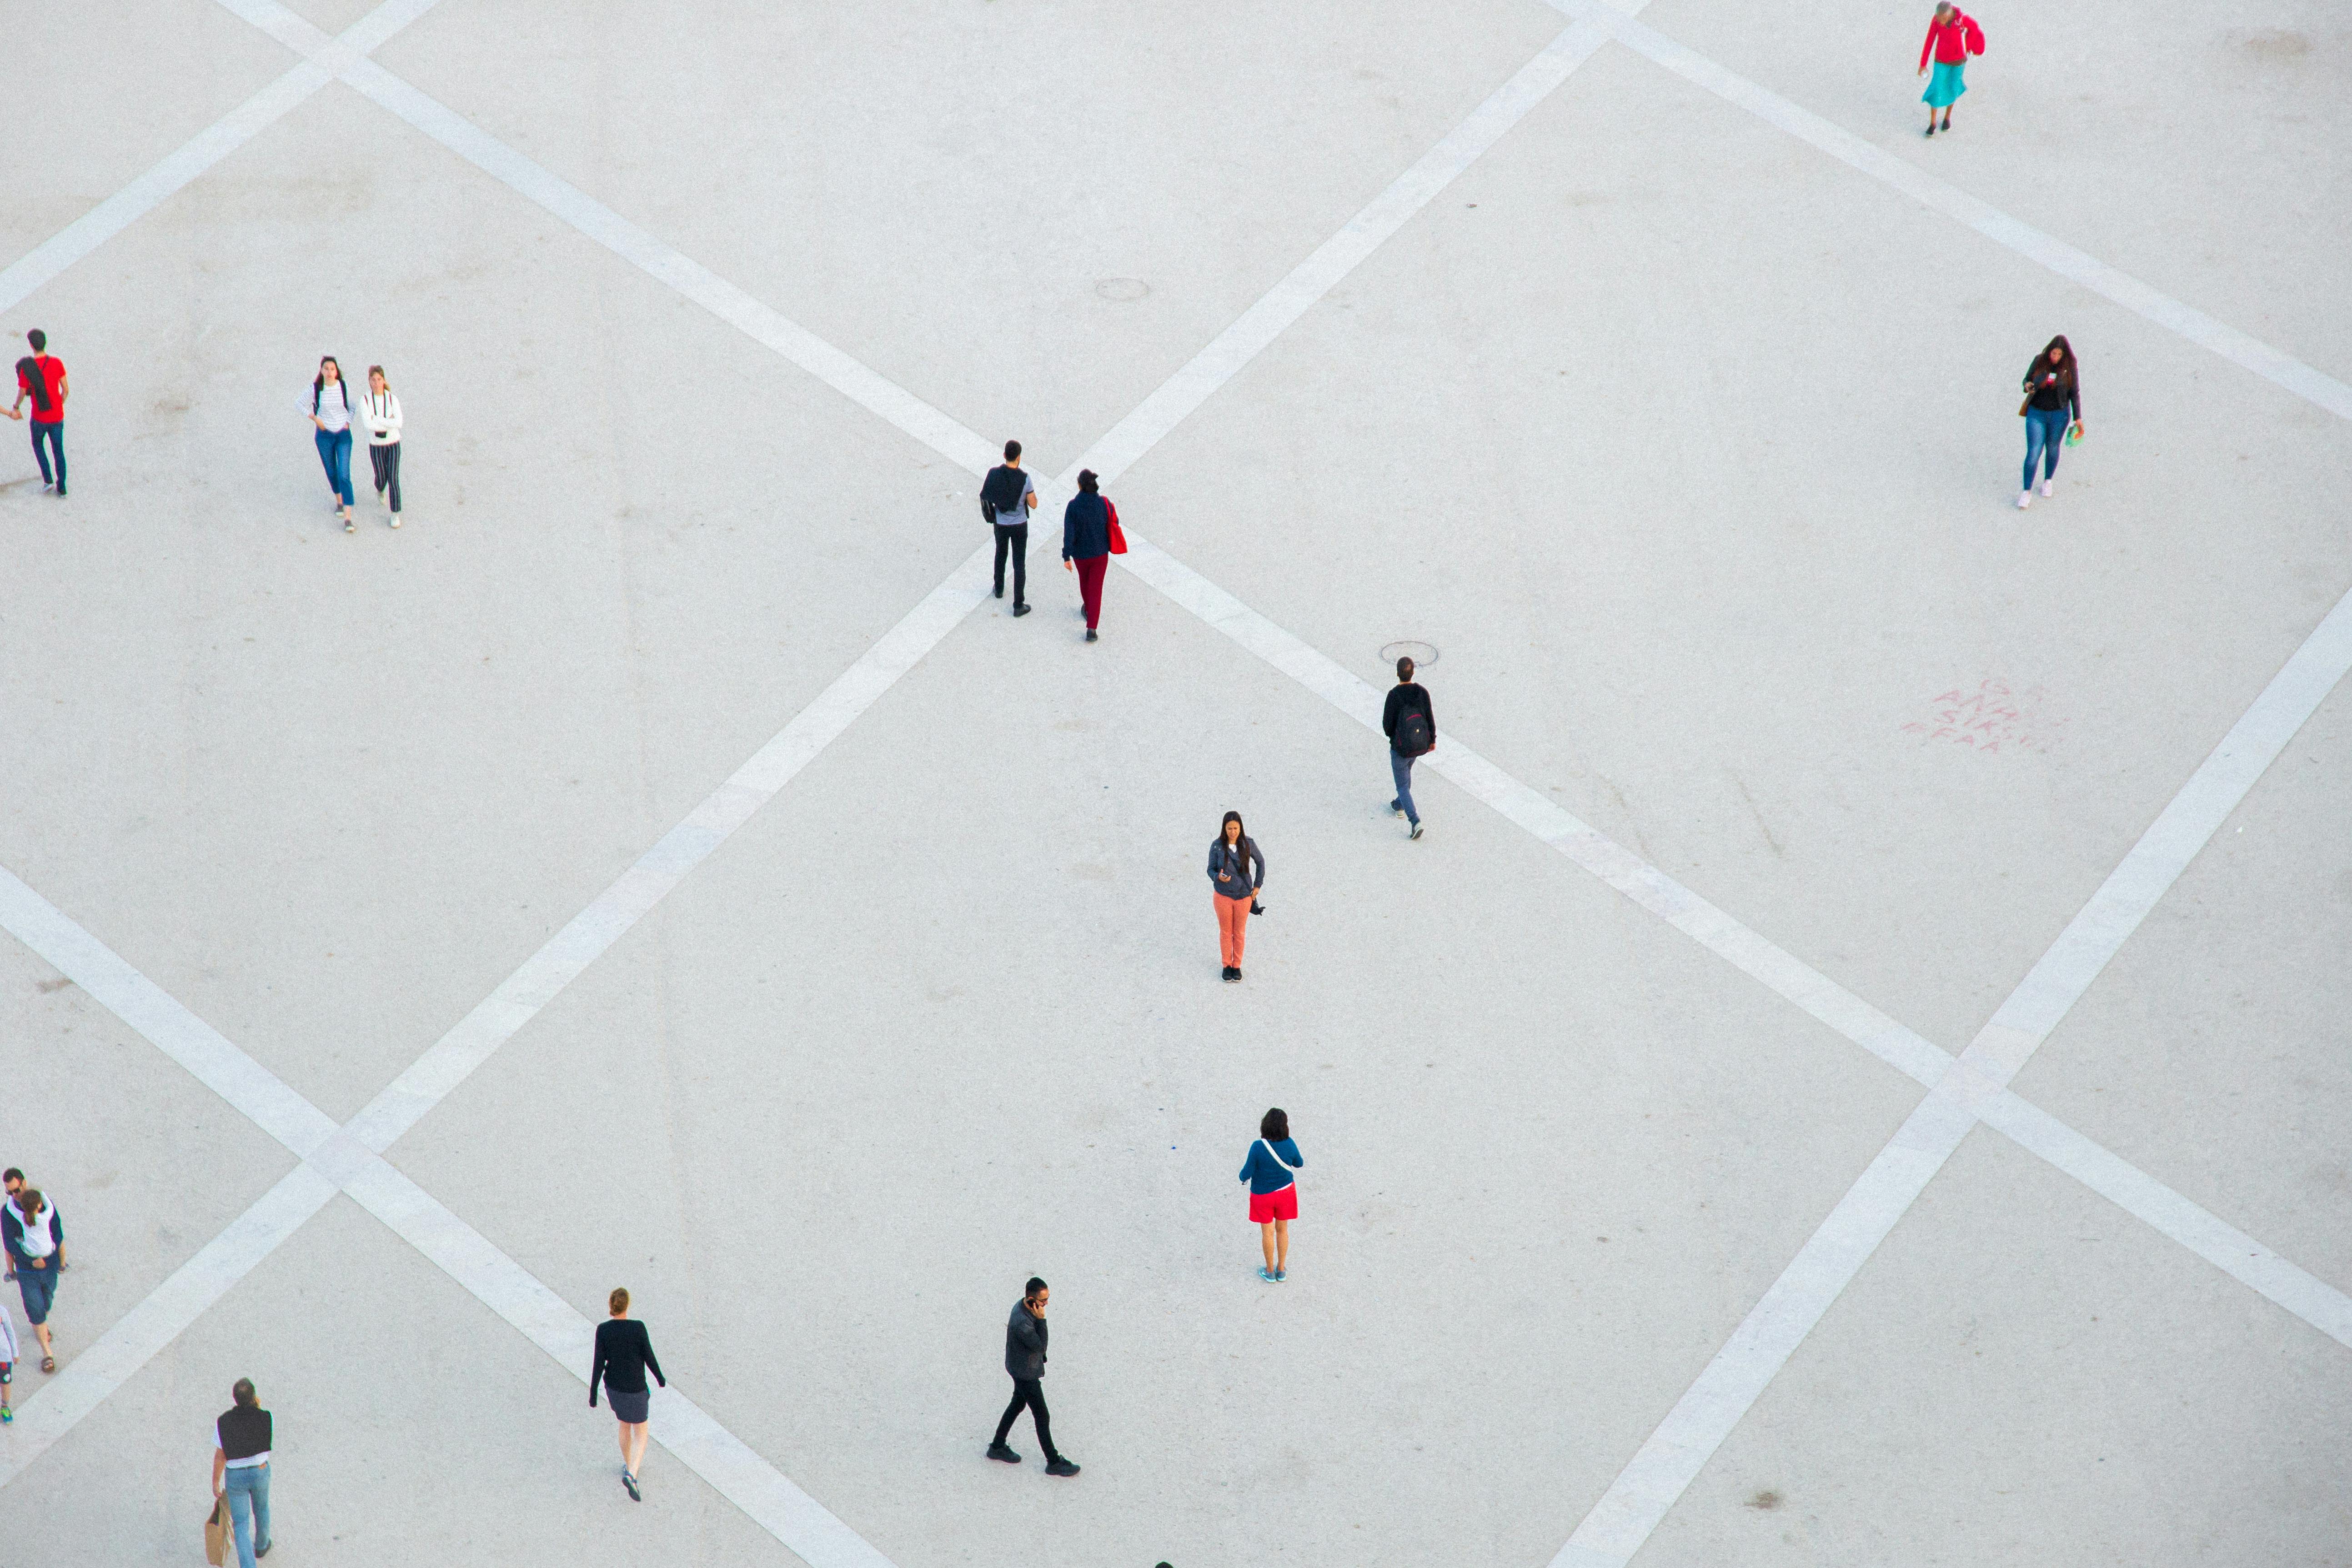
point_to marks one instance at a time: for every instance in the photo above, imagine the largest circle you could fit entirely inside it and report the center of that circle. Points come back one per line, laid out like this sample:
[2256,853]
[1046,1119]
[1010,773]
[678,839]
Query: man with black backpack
[1412,726]
[1006,500]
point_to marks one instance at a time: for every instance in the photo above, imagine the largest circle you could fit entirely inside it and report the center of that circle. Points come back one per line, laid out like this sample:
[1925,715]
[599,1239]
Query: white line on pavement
[2079,266]
[1976,1085]
[207,147]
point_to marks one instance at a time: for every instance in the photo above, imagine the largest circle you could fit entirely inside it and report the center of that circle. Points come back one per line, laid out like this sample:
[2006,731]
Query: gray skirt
[630,1408]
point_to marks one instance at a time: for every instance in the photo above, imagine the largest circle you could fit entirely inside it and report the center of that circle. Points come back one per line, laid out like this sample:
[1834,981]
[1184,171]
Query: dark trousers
[1090,577]
[1400,770]
[1028,1390]
[1016,536]
[54,429]
[385,460]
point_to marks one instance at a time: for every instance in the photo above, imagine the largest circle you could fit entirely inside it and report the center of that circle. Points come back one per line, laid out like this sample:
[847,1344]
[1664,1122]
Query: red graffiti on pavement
[1988,718]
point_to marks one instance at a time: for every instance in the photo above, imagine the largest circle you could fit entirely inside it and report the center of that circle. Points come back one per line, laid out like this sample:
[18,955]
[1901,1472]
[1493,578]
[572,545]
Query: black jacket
[1237,882]
[1409,695]
[1085,528]
[1024,1344]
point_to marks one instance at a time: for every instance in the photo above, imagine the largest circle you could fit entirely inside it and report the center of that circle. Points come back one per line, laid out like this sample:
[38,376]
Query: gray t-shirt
[1017,514]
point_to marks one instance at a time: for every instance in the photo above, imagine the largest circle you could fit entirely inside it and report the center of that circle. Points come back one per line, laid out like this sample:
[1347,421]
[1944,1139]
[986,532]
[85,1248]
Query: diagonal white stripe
[1976,1086]
[209,146]
[2077,266]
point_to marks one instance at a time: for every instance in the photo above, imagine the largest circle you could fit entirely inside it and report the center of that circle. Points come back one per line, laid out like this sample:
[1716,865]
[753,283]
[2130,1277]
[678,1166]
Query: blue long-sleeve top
[1264,1173]
[1085,528]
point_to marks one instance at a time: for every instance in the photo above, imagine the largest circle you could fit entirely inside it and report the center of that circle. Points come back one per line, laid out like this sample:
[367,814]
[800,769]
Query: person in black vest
[1411,724]
[241,1440]
[1007,500]
[623,1354]
[1025,1358]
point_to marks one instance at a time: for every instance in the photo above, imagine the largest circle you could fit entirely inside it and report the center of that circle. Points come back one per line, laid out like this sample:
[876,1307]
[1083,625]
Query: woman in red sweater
[1952,36]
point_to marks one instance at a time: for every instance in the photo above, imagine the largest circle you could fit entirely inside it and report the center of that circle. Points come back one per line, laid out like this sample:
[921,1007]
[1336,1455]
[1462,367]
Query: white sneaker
[2024,500]
[395,519]
[2045,487]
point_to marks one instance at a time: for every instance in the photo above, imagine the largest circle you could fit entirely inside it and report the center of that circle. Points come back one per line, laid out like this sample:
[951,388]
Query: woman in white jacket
[382,412]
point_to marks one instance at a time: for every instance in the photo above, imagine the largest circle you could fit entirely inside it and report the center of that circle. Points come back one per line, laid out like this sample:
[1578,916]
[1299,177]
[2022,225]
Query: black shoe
[1931,128]
[999,1451]
[1237,972]
[263,1550]
[1019,610]
[630,1481]
[1416,831]
[1226,974]
[1090,635]
[1059,1466]
[1000,590]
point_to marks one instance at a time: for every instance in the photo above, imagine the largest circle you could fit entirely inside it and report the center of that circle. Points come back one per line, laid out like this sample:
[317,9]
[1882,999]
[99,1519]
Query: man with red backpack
[41,377]
[1952,36]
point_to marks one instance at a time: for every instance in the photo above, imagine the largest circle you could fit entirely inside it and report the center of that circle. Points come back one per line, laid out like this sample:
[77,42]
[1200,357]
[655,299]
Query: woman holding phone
[2054,396]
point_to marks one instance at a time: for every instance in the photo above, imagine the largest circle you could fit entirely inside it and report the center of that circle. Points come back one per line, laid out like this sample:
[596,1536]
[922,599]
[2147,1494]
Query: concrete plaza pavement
[1690,450]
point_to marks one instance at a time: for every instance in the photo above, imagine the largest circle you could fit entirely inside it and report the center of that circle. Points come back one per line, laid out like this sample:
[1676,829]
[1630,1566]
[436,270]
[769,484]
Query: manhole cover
[1122,290]
[1423,653]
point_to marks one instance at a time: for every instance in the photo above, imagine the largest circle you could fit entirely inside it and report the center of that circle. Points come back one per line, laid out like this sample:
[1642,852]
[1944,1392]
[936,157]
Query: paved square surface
[661,863]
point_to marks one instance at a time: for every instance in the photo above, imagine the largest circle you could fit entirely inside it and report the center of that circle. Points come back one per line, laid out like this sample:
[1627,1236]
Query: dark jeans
[1028,1390]
[1016,535]
[2045,431]
[38,1287]
[54,429]
[335,457]
[385,460]
[1400,769]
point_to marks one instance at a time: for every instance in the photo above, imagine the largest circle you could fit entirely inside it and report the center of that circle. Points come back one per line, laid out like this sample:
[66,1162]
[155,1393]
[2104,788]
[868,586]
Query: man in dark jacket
[1007,500]
[1025,1358]
[1412,726]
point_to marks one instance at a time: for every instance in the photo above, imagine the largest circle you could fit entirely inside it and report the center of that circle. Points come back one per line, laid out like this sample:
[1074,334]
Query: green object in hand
[2074,435]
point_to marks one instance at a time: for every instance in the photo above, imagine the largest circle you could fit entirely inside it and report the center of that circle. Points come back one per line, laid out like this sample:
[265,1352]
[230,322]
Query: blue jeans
[38,1287]
[335,453]
[1400,769]
[2045,431]
[248,1502]
[54,431]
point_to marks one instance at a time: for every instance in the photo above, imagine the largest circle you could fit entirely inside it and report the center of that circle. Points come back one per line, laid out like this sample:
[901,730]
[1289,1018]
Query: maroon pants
[1090,577]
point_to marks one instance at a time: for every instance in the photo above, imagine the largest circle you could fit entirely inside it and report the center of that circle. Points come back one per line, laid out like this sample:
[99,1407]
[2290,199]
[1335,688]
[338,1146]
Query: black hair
[1012,451]
[1240,839]
[1275,1125]
[1029,1291]
[39,340]
[11,1175]
[2065,365]
[30,368]
[1087,480]
[318,383]
[243,1394]
[1405,669]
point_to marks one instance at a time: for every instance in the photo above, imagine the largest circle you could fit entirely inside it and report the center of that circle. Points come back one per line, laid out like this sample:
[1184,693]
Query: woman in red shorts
[1273,1191]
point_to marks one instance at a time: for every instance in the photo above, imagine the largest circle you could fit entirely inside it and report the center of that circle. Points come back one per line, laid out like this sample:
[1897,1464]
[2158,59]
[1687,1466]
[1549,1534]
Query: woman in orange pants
[1230,859]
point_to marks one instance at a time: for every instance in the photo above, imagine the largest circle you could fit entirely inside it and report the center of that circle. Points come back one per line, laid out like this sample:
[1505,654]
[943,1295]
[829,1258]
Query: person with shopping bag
[1090,537]
[241,1442]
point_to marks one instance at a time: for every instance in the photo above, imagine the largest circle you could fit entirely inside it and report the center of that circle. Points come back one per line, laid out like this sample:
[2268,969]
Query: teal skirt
[1944,88]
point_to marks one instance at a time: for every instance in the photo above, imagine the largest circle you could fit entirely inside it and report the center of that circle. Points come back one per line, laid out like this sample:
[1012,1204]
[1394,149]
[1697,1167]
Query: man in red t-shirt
[41,377]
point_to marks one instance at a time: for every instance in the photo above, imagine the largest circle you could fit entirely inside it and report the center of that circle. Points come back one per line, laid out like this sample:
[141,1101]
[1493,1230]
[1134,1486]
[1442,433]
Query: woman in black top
[1236,889]
[623,1355]
[2053,390]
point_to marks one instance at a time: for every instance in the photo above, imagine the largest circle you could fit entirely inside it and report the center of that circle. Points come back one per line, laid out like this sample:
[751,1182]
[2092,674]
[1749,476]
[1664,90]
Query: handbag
[1117,535]
[217,1534]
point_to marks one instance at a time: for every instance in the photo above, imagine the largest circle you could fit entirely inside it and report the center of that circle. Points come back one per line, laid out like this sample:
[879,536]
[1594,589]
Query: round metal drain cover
[1423,653]
[1122,290]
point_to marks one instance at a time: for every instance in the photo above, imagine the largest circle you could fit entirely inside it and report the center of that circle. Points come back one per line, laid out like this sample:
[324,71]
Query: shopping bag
[1117,535]
[217,1534]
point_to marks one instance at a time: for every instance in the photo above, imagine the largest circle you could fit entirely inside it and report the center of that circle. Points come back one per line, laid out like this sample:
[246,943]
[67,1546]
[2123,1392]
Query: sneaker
[1396,808]
[2045,486]
[630,1481]
[1059,1466]
[1229,974]
[998,1451]
[1931,128]
[395,519]
[1019,611]
[1416,831]
[49,487]
[7,1414]
[263,1550]
[1090,638]
[350,527]
[2024,500]
[1280,1275]
[1265,1274]
[1237,972]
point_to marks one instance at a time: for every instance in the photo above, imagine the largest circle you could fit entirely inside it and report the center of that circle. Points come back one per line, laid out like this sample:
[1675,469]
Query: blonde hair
[378,370]
[620,1300]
